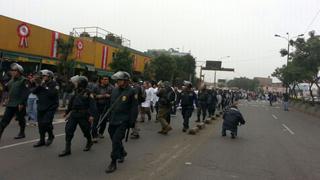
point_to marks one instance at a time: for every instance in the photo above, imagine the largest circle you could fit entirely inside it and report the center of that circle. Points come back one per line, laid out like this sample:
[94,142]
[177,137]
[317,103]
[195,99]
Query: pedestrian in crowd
[270,96]
[231,119]
[155,100]
[219,101]
[286,101]
[122,118]
[187,99]
[165,99]
[16,103]
[141,98]
[203,103]
[48,103]
[67,92]
[102,94]
[145,106]
[174,106]
[212,102]
[32,102]
[81,110]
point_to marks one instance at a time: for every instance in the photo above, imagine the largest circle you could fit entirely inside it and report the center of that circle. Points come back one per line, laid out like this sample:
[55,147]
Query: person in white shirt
[145,106]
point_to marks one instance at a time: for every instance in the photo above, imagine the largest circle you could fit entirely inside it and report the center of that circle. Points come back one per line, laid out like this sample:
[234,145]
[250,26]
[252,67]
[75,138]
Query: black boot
[50,139]
[121,159]
[1,131]
[21,133]
[67,151]
[88,145]
[112,167]
[41,142]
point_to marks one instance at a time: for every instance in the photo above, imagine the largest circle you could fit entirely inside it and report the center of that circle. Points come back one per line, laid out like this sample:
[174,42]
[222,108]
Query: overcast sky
[241,29]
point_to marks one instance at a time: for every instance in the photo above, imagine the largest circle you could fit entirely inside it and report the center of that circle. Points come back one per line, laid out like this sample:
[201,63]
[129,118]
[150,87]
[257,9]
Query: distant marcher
[231,119]
[285,101]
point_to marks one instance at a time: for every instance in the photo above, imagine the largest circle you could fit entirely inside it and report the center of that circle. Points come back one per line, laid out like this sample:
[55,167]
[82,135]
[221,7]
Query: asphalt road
[272,145]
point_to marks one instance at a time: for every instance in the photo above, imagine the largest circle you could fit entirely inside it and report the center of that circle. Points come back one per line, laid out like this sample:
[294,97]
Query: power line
[312,21]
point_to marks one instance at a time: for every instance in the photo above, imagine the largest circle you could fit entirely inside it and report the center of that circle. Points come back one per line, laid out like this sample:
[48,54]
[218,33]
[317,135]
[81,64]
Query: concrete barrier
[305,108]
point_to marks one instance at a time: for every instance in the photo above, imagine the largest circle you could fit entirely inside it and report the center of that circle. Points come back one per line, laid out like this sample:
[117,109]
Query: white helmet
[16,66]
[46,72]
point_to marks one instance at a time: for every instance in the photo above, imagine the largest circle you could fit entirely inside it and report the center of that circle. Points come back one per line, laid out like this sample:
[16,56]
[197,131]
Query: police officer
[203,103]
[123,114]
[212,102]
[187,99]
[16,103]
[81,110]
[48,103]
[164,106]
[102,94]
[139,92]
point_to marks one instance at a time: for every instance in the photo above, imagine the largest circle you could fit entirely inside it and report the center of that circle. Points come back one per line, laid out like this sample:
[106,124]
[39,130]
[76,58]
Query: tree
[185,68]
[122,61]
[65,49]
[161,68]
[244,83]
[304,65]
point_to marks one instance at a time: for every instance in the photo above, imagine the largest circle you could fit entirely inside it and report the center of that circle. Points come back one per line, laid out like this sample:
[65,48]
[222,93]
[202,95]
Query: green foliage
[122,61]
[65,49]
[244,83]
[171,68]
[305,63]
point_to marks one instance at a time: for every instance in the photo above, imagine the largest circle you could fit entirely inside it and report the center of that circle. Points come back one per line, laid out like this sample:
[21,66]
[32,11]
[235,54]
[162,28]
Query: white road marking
[59,121]
[288,129]
[25,142]
[274,116]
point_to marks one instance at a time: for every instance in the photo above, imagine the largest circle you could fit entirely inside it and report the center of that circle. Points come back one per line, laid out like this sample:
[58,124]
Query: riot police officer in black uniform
[203,103]
[81,110]
[48,103]
[187,99]
[123,114]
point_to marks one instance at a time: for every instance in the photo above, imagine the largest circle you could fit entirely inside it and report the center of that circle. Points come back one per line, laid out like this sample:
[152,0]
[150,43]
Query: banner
[54,44]
[23,32]
[79,46]
[104,58]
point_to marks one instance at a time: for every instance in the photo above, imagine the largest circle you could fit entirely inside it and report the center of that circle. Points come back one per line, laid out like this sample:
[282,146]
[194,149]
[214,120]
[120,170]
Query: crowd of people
[94,105]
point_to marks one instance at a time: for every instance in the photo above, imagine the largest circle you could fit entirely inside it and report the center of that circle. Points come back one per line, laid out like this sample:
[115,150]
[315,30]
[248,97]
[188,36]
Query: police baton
[127,134]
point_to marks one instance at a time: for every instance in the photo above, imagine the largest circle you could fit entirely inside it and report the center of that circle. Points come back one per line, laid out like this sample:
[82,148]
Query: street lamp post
[288,40]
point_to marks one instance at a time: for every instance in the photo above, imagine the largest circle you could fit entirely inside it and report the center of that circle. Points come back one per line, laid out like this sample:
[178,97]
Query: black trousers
[202,109]
[117,134]
[9,113]
[45,119]
[186,114]
[101,110]
[72,123]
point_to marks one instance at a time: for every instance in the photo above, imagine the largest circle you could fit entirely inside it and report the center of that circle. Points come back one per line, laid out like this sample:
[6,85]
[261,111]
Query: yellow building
[28,43]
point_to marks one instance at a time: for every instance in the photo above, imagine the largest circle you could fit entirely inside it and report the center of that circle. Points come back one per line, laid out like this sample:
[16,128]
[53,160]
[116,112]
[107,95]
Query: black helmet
[79,81]
[121,75]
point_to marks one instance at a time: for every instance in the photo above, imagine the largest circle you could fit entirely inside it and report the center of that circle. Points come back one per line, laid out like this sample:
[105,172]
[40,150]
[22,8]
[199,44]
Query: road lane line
[288,129]
[274,116]
[25,142]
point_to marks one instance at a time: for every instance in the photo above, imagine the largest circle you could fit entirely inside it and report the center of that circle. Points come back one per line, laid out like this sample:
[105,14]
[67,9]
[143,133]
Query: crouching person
[231,119]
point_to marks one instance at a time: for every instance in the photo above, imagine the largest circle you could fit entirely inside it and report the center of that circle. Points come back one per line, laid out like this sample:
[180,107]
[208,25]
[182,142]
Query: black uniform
[231,119]
[81,107]
[212,102]
[122,117]
[103,105]
[187,100]
[202,104]
[48,102]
